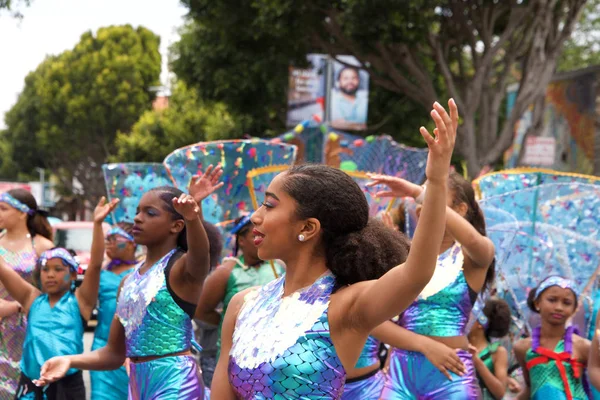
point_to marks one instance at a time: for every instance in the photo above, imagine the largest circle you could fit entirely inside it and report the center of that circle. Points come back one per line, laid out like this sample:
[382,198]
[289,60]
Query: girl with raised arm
[465,266]
[56,316]
[27,234]
[157,301]
[295,337]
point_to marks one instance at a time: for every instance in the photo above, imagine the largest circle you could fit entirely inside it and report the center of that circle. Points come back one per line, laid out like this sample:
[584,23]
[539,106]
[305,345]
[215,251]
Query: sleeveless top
[282,348]
[555,374]
[444,306]
[107,304]
[155,325]
[12,328]
[486,356]
[52,331]
[369,354]
[243,277]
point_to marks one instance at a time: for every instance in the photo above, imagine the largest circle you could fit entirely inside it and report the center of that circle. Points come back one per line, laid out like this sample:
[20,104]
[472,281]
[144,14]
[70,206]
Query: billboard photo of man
[349,98]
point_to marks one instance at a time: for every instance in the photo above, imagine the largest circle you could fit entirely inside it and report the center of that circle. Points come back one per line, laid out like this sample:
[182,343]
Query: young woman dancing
[295,337]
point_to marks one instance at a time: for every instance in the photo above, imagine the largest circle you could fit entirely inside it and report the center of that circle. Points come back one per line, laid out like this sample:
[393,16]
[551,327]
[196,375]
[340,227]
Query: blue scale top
[443,307]
[282,348]
[155,325]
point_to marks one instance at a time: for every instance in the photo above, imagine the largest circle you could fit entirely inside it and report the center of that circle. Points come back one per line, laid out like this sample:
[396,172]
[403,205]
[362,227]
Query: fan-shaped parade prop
[378,154]
[555,231]
[237,157]
[128,182]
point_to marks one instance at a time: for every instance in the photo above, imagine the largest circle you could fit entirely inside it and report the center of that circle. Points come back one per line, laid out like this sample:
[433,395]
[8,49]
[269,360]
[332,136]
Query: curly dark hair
[463,192]
[531,296]
[498,314]
[356,248]
[216,243]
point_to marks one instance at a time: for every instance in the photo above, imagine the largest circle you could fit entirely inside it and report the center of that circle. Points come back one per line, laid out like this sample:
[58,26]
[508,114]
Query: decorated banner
[128,182]
[237,157]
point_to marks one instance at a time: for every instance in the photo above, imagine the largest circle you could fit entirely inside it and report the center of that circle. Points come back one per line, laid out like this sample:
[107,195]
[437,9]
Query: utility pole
[42,173]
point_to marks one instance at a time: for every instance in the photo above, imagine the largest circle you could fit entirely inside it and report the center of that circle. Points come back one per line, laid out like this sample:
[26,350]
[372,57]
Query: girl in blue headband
[554,358]
[56,317]
[27,234]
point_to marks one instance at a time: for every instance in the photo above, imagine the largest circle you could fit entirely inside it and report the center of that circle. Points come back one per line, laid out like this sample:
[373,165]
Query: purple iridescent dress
[13,328]
[281,345]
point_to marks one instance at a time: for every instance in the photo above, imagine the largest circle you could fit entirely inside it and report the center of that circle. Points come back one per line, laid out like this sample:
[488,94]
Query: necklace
[12,242]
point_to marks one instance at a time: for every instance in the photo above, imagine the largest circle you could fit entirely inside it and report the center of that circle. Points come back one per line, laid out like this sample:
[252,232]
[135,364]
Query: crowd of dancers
[349,308]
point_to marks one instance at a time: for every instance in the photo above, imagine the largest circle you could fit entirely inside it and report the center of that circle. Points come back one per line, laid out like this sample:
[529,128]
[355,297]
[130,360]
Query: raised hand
[103,209]
[388,221]
[201,186]
[186,206]
[398,187]
[53,370]
[442,145]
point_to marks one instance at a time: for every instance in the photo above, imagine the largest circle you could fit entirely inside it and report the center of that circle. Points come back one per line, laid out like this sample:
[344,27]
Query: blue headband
[556,281]
[117,231]
[61,253]
[243,222]
[11,201]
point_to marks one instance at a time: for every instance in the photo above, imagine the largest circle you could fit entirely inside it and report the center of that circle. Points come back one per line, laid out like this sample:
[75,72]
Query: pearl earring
[301,238]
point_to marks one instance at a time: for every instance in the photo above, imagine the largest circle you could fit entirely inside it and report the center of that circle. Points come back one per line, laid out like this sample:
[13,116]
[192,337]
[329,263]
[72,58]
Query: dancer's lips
[135,230]
[258,237]
[557,316]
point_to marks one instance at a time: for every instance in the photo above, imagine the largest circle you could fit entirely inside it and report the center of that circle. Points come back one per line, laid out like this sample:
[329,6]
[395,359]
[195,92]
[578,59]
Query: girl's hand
[203,186]
[103,209]
[53,370]
[8,308]
[186,206]
[441,147]
[398,187]
[444,358]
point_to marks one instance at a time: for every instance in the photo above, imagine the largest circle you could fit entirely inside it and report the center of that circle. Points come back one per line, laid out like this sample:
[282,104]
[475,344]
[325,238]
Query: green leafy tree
[186,120]
[423,50]
[67,116]
[13,6]
[583,47]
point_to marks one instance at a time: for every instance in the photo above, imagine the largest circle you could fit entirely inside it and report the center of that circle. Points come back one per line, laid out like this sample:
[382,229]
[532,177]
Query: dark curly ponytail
[356,249]
[498,314]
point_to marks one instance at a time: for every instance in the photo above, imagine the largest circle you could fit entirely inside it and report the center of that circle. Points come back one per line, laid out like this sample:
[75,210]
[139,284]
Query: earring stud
[301,238]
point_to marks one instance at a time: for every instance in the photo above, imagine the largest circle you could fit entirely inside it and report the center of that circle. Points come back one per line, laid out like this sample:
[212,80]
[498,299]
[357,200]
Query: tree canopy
[187,120]
[420,51]
[72,106]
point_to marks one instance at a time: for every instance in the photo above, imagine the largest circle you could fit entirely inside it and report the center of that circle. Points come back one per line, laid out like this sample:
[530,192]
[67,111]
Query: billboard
[339,83]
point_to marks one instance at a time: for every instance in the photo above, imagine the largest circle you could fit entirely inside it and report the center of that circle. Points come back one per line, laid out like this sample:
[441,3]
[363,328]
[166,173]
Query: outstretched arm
[378,301]
[18,288]
[87,294]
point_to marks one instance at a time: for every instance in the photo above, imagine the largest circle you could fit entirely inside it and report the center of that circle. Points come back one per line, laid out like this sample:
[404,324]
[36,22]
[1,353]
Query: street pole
[42,173]
[328,87]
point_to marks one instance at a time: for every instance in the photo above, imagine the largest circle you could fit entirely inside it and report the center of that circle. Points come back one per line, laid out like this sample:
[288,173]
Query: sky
[50,27]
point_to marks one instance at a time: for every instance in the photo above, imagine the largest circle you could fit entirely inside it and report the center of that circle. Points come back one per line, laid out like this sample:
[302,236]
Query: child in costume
[554,358]
[157,301]
[56,315]
[27,234]
[491,359]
